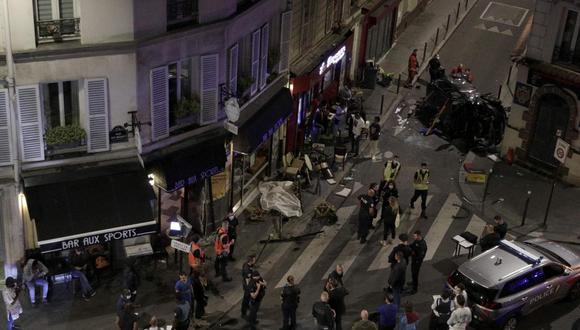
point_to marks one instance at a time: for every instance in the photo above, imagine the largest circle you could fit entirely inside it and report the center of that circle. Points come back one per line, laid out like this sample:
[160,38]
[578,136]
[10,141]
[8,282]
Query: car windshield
[475,292]
[549,254]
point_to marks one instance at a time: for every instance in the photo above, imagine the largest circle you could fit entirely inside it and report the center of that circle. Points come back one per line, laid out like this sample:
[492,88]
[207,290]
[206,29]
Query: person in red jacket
[413,68]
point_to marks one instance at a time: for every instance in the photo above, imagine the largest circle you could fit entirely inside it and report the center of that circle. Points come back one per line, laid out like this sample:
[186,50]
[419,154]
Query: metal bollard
[447,26]
[436,40]
[466,2]
[398,83]
[526,208]
[499,91]
[485,190]
[424,52]
[509,75]
[549,203]
[382,103]
[457,13]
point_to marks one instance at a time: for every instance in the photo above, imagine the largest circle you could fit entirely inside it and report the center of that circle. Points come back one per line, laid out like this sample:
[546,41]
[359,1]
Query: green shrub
[64,135]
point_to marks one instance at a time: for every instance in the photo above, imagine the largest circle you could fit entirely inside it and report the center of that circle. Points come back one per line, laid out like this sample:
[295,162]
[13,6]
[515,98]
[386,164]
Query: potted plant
[187,109]
[65,137]
[245,81]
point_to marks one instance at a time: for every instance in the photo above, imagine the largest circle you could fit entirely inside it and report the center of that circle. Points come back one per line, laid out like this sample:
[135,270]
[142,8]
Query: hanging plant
[187,107]
[72,134]
[245,80]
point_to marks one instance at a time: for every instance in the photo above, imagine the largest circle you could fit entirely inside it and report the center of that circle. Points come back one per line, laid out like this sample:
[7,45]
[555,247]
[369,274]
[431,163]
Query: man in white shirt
[461,316]
[13,307]
[358,124]
[33,274]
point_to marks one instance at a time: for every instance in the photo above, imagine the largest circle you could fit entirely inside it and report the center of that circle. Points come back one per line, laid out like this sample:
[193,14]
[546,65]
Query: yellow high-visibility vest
[421,179]
[391,170]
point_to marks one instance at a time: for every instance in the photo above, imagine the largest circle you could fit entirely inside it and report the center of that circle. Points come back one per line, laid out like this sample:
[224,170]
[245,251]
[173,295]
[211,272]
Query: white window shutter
[159,94]
[30,120]
[285,40]
[97,96]
[255,62]
[264,55]
[209,89]
[5,148]
[233,77]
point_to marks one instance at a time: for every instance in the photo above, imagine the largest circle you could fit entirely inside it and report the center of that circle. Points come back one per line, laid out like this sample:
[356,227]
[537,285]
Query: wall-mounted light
[151,179]
[291,88]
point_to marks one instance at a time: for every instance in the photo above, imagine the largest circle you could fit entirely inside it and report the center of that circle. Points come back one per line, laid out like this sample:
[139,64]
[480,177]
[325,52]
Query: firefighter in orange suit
[196,255]
[222,250]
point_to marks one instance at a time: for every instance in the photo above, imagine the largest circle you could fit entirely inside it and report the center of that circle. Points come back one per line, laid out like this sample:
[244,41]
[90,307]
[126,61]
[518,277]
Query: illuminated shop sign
[332,59]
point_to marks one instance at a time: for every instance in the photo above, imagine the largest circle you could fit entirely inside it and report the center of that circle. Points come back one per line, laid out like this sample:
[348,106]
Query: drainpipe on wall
[11,93]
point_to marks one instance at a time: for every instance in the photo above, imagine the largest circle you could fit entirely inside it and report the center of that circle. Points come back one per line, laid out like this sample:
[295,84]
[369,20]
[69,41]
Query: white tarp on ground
[277,195]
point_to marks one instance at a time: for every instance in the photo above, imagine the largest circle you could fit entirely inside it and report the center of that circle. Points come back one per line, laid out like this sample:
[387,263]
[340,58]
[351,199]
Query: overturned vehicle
[455,110]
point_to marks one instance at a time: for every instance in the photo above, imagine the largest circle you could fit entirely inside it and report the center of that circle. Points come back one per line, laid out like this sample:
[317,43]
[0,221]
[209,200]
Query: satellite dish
[232,109]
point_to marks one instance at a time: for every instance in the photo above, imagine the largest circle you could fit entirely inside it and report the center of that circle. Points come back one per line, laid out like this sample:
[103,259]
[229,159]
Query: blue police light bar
[525,255]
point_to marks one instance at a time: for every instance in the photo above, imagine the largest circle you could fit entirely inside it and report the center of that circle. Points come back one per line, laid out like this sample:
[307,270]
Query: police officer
[247,270]
[222,250]
[419,248]
[366,214]
[257,288]
[196,255]
[391,171]
[290,298]
[421,185]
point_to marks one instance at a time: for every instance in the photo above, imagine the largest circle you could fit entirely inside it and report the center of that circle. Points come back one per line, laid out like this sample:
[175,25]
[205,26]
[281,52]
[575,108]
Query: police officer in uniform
[257,288]
[247,270]
[419,248]
[222,250]
[290,298]
[391,171]
[196,255]
[366,214]
[421,185]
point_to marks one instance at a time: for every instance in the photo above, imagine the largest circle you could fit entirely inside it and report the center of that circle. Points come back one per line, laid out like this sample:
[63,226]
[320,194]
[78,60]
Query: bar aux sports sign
[332,59]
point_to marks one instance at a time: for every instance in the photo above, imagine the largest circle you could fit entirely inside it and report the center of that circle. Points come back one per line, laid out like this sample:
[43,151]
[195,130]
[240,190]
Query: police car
[515,278]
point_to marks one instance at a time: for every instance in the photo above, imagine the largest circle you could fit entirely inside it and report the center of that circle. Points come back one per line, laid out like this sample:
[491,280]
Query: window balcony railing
[566,57]
[181,12]
[58,29]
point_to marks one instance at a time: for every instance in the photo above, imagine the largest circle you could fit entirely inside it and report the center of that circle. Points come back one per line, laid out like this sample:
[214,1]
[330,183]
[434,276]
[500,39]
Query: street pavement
[366,271]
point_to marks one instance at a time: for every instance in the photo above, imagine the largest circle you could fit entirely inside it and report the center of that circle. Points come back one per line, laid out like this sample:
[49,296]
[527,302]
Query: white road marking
[317,246]
[441,225]
[475,226]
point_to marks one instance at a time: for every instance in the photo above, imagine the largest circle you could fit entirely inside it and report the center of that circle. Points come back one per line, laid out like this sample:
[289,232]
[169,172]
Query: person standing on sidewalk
[233,223]
[222,250]
[390,172]
[421,185]
[413,67]
[410,319]
[404,248]
[184,288]
[389,214]
[257,292]
[500,226]
[247,270]
[10,295]
[323,314]
[290,298]
[441,310]
[419,248]
[196,256]
[461,316]
[336,295]
[374,135]
[397,278]
[365,214]
[181,313]
[198,284]
[388,314]
[337,274]
[364,323]
[358,124]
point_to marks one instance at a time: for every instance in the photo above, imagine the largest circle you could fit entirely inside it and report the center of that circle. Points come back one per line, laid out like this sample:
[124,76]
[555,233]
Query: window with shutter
[29,117]
[209,88]
[97,114]
[285,40]
[5,148]
[66,8]
[44,10]
[233,75]
[159,92]
[255,62]
[264,55]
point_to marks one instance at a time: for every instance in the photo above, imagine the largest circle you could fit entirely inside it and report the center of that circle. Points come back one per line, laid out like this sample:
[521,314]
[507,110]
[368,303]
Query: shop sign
[231,127]
[180,246]
[199,177]
[332,59]
[272,130]
[101,238]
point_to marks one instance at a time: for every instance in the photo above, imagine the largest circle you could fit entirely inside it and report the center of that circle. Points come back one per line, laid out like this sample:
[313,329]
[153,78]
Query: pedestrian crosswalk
[354,256]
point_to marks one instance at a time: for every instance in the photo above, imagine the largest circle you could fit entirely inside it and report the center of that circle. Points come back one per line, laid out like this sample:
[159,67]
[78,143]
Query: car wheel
[511,323]
[574,292]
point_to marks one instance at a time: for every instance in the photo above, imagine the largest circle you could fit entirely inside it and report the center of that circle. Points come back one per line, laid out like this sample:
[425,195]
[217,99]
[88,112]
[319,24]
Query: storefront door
[553,116]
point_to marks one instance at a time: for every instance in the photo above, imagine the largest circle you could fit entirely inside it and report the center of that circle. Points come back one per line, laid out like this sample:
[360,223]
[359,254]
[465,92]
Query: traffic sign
[561,150]
[183,247]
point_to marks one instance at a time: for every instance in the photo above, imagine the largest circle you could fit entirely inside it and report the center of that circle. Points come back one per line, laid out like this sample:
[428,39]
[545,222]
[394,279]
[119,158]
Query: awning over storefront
[175,167]
[81,207]
[259,126]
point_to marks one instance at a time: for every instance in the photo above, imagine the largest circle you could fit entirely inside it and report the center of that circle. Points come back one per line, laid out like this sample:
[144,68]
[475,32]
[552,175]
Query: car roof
[501,263]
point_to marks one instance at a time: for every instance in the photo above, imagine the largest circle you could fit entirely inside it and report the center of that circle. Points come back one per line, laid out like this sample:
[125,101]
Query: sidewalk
[156,292]
[507,193]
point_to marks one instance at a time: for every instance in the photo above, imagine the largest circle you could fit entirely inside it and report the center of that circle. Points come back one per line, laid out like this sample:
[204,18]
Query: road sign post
[560,153]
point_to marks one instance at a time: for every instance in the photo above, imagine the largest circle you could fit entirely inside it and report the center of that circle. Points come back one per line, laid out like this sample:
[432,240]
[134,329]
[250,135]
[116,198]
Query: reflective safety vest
[421,180]
[193,260]
[391,170]
[219,246]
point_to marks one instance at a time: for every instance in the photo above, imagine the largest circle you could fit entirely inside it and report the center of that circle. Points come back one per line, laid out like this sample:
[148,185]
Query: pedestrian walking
[127,320]
[421,185]
[184,287]
[419,248]
[199,284]
[358,124]
[290,298]
[366,214]
[257,289]
[222,250]
[403,247]
[322,313]
[500,226]
[374,135]
[10,295]
[397,278]
[34,274]
[388,313]
[247,270]
[389,213]
[441,310]
[413,67]
[196,256]
[461,316]
[336,296]
[410,319]
[181,313]
[364,323]
[233,223]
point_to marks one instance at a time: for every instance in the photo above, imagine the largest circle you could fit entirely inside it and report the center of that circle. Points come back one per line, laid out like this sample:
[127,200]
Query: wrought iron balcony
[58,29]
[181,12]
